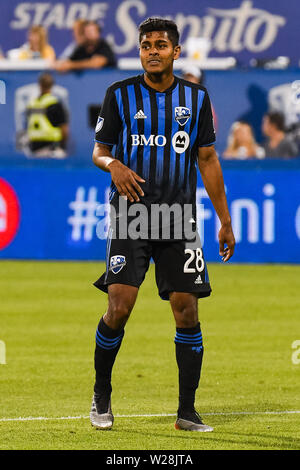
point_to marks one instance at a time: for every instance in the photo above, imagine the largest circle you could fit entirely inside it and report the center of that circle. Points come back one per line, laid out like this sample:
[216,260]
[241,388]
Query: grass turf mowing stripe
[230,413]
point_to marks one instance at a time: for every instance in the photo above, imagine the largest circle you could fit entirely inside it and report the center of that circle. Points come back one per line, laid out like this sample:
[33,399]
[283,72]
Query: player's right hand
[226,237]
[126,181]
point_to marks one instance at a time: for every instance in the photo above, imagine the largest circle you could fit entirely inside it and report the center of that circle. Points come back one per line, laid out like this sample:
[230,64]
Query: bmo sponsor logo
[180,141]
[158,140]
[9,214]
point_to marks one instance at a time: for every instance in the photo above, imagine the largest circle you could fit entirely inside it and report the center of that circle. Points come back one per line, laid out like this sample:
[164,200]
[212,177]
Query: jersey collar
[167,91]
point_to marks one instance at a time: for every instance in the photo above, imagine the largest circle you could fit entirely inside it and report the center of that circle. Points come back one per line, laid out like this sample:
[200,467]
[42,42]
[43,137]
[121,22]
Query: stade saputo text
[230,30]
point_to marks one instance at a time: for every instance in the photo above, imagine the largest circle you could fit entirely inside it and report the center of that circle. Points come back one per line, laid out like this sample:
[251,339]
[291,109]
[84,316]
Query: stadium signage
[264,206]
[55,14]
[230,30]
[2,92]
[9,214]
[243,26]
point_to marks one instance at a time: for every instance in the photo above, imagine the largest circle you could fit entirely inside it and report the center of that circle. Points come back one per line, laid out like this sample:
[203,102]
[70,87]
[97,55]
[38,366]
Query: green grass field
[49,312]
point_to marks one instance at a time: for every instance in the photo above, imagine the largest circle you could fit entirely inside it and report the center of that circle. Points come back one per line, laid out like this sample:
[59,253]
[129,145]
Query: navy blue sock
[108,342]
[189,354]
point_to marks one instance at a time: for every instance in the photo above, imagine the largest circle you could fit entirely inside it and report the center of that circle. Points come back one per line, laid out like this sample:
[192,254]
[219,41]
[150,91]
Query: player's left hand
[226,237]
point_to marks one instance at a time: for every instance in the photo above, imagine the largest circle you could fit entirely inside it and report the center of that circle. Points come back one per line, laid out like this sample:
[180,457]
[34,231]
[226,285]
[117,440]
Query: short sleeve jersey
[157,134]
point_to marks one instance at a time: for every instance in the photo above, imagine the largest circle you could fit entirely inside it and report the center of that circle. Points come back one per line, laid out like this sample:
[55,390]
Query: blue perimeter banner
[239,28]
[52,214]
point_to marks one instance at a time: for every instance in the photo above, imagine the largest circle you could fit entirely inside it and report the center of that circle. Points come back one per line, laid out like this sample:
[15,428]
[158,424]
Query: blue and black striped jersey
[157,134]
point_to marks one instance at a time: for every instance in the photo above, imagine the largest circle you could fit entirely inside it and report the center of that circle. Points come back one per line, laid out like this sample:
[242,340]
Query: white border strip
[230,413]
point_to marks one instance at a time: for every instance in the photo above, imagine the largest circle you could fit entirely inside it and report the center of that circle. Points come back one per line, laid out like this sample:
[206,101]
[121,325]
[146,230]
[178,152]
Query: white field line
[230,413]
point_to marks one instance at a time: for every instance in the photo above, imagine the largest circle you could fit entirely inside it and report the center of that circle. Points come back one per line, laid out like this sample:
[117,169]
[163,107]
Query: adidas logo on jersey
[198,280]
[140,115]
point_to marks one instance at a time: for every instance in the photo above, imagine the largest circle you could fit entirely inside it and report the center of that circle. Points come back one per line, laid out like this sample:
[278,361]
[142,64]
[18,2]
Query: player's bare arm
[126,180]
[212,177]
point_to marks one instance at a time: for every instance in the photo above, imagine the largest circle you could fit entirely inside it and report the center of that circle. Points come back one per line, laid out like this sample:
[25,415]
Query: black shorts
[179,266]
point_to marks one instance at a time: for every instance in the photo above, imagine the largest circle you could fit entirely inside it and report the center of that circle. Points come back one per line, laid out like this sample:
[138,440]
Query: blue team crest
[182,115]
[99,124]
[117,263]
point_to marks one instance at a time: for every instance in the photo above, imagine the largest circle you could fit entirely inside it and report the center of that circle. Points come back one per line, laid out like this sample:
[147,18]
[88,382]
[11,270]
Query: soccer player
[162,127]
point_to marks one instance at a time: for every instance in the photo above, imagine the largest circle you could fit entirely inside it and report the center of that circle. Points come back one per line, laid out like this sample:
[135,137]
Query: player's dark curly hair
[159,24]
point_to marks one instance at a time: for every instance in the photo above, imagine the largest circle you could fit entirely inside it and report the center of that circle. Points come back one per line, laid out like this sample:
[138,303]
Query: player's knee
[187,317]
[119,312]
[185,310]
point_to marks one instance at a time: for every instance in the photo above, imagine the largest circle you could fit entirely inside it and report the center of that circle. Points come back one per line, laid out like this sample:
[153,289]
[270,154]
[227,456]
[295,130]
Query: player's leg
[126,264]
[189,354]
[109,335]
[110,332]
[188,346]
[182,278]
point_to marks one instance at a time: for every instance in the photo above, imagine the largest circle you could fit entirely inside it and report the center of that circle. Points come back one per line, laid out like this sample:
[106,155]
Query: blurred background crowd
[45,128]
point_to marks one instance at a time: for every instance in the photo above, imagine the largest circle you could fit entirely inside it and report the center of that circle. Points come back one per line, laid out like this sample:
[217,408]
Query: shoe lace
[191,415]
[198,416]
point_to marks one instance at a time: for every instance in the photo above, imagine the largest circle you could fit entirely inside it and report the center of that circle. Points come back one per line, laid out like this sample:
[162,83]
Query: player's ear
[177,51]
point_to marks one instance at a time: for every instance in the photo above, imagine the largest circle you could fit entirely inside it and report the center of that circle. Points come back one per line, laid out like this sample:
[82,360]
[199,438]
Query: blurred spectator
[79,38]
[193,74]
[278,144]
[1,53]
[294,134]
[95,53]
[241,143]
[47,122]
[37,46]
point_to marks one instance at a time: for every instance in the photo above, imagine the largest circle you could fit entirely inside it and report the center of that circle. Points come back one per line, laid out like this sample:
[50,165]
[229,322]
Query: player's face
[157,52]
